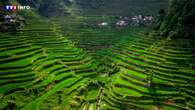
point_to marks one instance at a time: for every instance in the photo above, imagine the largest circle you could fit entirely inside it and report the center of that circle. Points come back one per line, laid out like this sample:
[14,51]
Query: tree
[2,12]
[161,17]
[32,3]
[4,2]
[180,21]
[49,8]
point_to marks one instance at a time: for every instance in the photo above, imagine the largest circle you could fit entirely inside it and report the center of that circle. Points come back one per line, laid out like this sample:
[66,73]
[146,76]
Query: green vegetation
[120,8]
[54,7]
[40,62]
[179,22]
[71,63]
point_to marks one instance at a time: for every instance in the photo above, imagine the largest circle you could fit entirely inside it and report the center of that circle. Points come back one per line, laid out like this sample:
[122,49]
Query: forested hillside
[179,21]
[118,7]
[96,7]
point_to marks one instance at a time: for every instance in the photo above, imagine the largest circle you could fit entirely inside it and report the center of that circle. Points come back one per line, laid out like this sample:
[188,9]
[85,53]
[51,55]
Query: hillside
[179,21]
[121,8]
[96,7]
[39,64]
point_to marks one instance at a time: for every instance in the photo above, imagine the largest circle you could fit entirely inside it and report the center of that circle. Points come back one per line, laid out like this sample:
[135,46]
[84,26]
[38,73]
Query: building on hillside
[122,23]
[103,24]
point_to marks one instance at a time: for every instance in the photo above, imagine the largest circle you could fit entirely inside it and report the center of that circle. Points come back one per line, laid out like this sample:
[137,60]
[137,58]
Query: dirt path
[99,99]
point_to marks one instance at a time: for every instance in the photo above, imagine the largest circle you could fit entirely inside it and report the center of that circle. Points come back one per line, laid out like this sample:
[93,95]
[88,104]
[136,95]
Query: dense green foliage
[50,8]
[120,8]
[180,21]
[32,3]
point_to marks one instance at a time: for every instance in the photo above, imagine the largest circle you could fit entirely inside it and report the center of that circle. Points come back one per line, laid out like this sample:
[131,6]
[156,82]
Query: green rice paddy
[49,67]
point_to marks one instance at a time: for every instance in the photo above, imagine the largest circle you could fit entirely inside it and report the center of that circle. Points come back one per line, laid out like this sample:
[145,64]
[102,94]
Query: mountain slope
[154,73]
[179,22]
[38,63]
[118,7]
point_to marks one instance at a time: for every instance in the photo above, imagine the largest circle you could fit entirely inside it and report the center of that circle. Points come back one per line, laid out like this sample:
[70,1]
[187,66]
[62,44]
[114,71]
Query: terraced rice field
[86,34]
[38,64]
[154,74]
[41,69]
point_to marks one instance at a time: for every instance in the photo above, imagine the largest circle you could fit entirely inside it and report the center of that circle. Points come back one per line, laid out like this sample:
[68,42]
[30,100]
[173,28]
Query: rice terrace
[97,55]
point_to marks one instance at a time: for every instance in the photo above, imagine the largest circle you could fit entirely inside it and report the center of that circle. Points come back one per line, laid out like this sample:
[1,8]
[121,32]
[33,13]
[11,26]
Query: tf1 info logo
[16,7]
